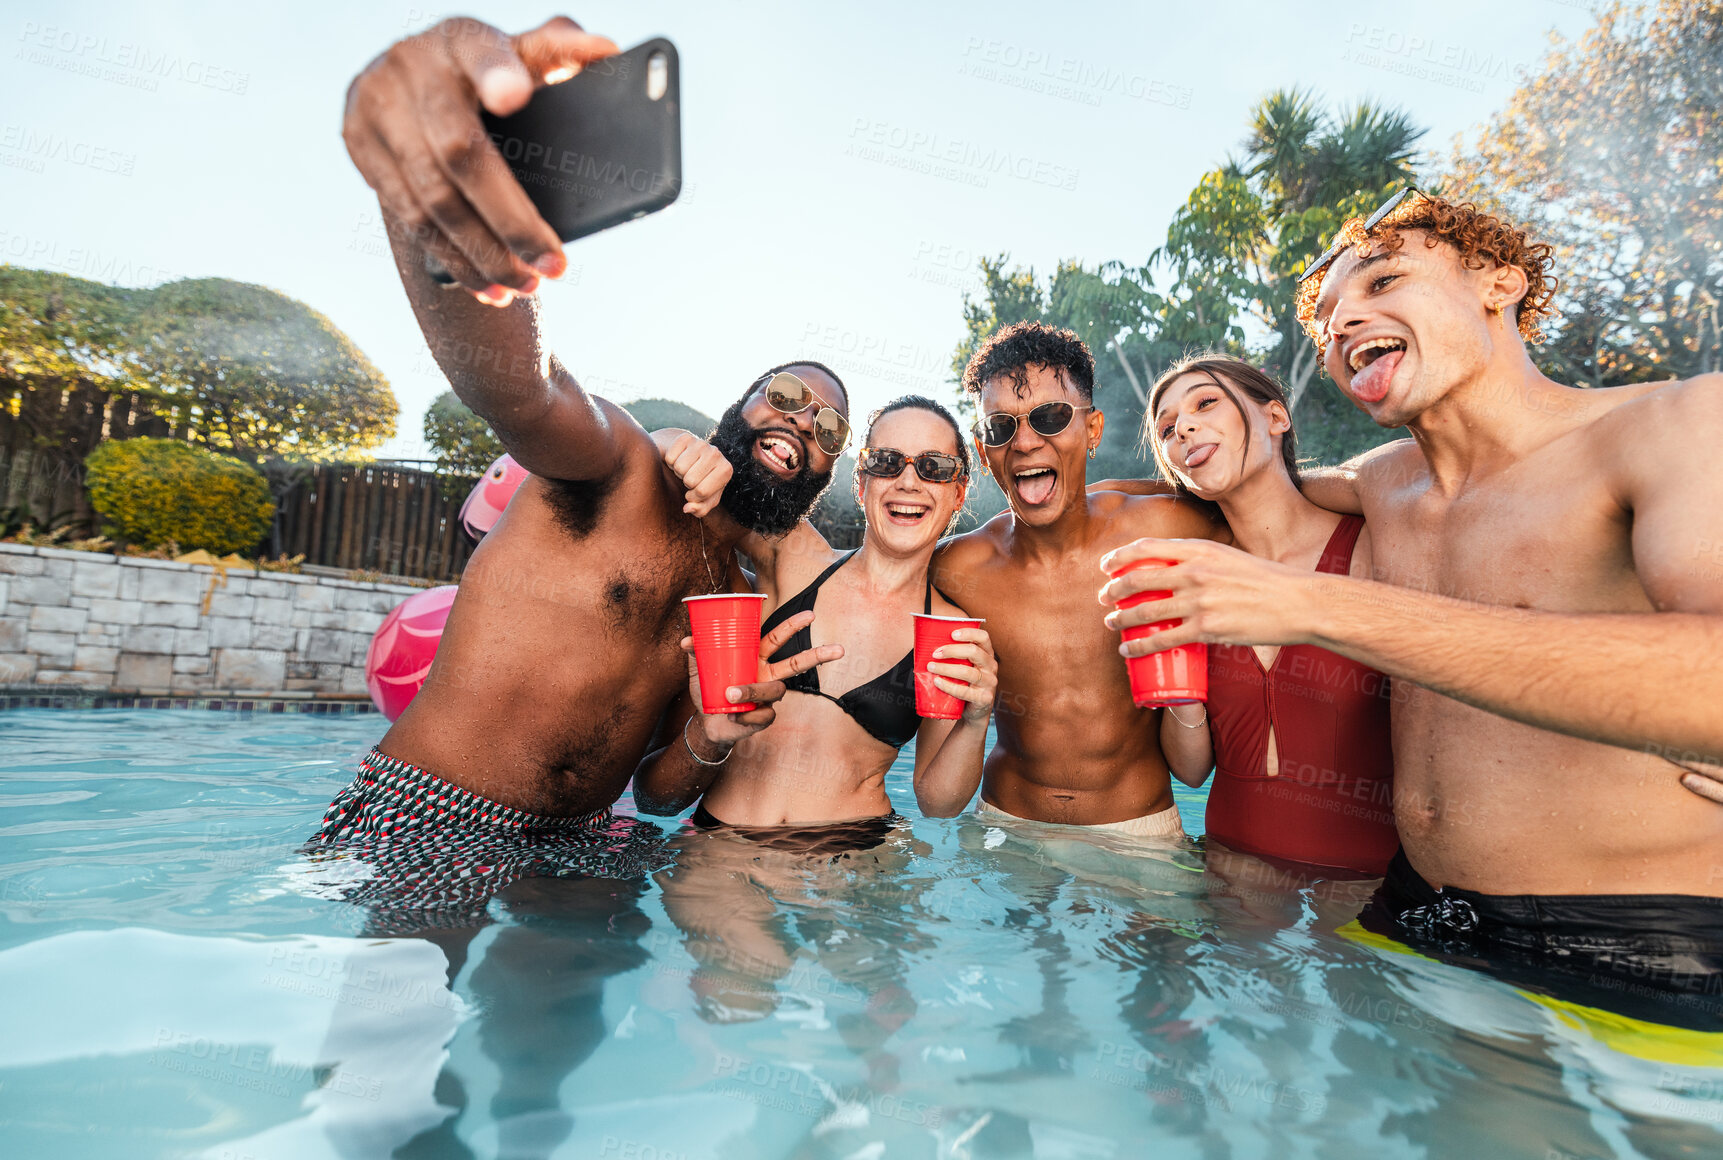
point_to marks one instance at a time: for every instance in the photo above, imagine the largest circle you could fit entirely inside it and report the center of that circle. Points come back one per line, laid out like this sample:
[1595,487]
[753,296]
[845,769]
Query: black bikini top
[884,706]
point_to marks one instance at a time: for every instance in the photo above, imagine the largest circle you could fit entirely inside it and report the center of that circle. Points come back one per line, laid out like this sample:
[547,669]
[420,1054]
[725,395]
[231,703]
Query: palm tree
[1312,170]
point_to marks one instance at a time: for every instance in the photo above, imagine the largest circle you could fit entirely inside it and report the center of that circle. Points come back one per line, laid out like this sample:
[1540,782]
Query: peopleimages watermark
[1066,78]
[83,261]
[935,154]
[1193,1081]
[336,977]
[252,1067]
[38,146]
[1428,58]
[122,62]
[791,1089]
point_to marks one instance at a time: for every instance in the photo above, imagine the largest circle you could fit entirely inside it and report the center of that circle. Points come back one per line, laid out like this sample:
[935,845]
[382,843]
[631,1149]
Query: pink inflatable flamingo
[485,504]
[401,651]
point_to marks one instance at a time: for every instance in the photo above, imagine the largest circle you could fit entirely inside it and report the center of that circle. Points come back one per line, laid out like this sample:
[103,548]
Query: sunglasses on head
[792,396]
[1370,223]
[997,428]
[887,463]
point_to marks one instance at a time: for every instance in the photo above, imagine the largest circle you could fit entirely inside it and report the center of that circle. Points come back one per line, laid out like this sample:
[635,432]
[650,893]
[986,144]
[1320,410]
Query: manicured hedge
[151,491]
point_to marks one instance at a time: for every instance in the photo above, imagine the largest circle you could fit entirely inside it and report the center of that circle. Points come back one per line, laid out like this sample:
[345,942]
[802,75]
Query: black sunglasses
[1370,223]
[886,463]
[792,396]
[997,428]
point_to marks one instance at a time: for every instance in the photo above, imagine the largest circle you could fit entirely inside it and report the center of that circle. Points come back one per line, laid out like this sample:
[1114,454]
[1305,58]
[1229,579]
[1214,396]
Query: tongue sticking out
[1370,385]
[1036,489]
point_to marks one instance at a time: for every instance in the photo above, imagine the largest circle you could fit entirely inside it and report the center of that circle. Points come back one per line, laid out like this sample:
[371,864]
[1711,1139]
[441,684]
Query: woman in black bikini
[825,757]
[795,822]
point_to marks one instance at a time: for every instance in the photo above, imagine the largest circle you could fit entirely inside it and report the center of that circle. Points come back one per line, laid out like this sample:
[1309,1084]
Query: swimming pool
[171,985]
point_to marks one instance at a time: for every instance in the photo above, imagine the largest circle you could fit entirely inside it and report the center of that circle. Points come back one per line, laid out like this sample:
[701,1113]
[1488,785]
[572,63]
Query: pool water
[176,979]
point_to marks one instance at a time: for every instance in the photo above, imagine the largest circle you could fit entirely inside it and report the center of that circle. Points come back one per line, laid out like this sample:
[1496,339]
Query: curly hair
[1480,238]
[1011,350]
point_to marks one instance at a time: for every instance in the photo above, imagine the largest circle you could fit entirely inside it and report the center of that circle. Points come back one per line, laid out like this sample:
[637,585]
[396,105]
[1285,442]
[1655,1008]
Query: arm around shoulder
[1341,488]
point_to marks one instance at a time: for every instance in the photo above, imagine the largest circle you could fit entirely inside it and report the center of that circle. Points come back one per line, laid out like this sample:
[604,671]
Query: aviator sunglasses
[1370,223]
[997,428]
[886,463]
[792,396]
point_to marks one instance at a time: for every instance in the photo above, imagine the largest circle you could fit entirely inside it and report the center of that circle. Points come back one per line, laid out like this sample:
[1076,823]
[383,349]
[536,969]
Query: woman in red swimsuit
[1298,736]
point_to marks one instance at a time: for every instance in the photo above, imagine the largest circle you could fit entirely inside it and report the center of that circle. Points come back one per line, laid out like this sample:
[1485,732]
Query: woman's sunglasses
[997,428]
[792,396]
[933,466]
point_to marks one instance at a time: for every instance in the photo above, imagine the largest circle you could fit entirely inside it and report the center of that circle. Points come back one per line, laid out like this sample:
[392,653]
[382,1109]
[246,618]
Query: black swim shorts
[412,845]
[1653,956]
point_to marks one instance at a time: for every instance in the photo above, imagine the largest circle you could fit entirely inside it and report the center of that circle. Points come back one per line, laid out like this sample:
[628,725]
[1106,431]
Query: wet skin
[1072,747]
[561,652]
[1543,717]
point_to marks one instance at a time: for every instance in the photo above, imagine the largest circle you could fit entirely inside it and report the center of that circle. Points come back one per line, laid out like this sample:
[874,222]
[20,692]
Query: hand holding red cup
[1174,676]
[963,678]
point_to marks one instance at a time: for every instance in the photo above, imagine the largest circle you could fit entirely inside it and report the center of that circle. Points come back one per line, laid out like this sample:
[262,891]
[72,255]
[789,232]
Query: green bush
[150,491]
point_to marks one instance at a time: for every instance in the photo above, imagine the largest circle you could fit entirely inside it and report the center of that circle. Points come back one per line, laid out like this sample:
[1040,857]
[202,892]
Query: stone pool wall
[122,625]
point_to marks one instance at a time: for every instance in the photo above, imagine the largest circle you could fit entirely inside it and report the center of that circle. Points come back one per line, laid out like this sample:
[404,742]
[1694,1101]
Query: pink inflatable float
[485,504]
[401,651]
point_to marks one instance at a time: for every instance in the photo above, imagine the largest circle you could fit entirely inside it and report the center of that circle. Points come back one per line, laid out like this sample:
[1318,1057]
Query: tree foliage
[239,368]
[61,338]
[463,443]
[655,414]
[1225,277]
[1613,152]
[1235,249]
[255,373]
[158,491]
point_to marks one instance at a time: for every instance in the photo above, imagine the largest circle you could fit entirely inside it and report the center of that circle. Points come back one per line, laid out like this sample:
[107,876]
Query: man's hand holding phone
[412,127]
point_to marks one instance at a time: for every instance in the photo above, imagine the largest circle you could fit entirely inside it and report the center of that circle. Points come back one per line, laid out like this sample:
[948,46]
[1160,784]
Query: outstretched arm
[1341,488]
[412,127]
[1132,486]
[1648,681]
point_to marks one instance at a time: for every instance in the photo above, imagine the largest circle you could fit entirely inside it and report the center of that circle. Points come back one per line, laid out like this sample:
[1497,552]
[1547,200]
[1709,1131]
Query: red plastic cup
[930,633]
[1174,676]
[726,630]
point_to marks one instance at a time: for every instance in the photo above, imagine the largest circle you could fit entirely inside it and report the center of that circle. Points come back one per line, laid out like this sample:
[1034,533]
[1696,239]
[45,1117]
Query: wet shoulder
[1681,411]
[1387,468]
[1161,516]
[1684,418]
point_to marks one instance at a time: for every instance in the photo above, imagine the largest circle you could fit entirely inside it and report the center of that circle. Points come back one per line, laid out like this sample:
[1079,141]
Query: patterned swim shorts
[422,852]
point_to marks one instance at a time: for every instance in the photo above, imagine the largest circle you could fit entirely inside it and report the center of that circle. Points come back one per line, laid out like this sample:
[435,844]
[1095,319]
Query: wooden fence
[374,518]
[358,517]
[42,447]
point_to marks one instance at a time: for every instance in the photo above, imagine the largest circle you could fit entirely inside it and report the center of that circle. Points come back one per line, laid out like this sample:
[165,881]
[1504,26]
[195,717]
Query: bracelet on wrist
[1193,725]
[689,745]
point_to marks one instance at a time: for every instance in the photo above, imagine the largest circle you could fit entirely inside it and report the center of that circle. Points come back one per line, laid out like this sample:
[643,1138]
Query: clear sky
[846,163]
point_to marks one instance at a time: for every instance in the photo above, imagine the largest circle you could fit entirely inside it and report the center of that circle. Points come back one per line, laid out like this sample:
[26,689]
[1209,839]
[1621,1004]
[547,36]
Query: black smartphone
[603,147]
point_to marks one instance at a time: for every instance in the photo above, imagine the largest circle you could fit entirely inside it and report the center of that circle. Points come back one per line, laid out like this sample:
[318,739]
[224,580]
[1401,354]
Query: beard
[755,498]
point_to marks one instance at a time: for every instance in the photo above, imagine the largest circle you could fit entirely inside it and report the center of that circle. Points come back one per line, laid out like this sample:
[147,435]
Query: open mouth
[1201,455]
[781,454]
[906,514]
[1373,363]
[1035,484]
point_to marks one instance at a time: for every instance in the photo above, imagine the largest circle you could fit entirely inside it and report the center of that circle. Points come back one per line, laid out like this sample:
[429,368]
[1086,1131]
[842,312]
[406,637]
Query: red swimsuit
[1332,804]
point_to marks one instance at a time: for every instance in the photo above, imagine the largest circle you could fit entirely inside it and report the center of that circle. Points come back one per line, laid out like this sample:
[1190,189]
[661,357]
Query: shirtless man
[1072,747]
[1544,601]
[561,651]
